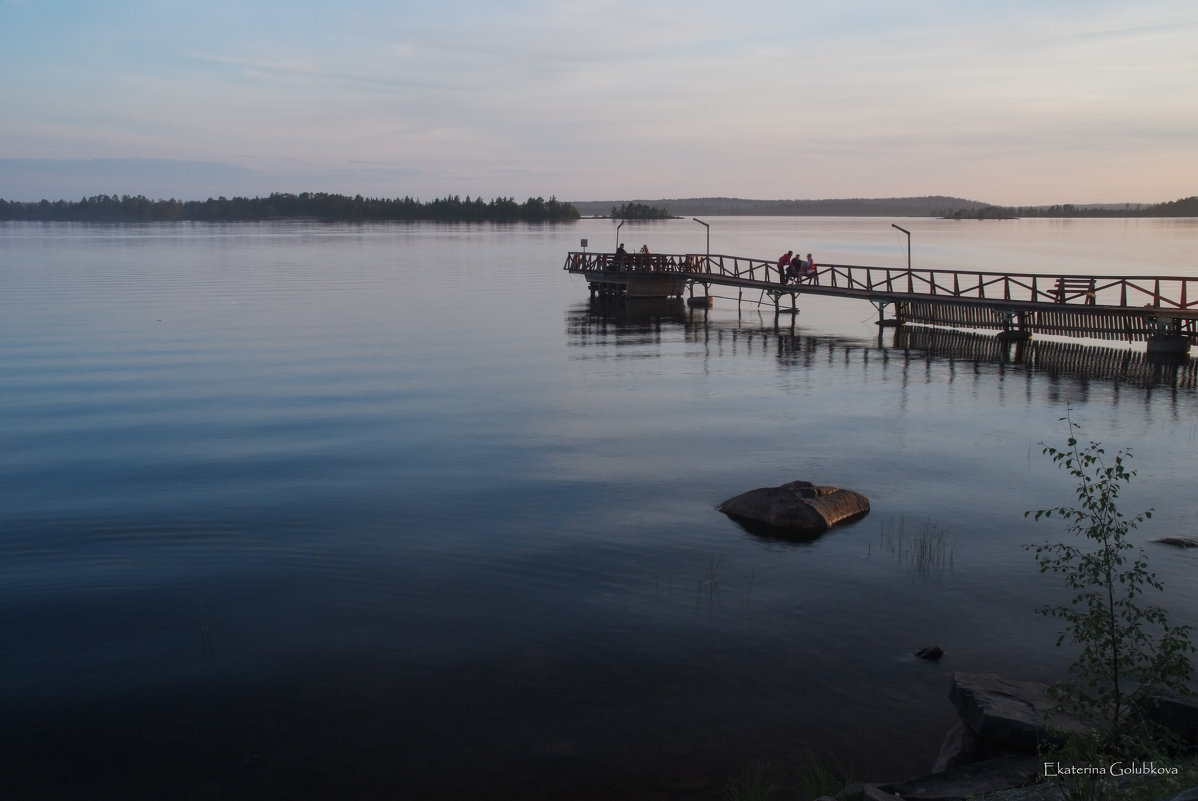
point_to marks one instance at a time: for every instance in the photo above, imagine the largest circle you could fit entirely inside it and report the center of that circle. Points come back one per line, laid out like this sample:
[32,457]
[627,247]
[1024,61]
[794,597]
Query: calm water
[393,511]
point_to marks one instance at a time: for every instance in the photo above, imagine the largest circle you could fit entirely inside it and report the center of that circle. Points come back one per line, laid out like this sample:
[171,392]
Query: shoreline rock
[991,753]
[1008,714]
[968,781]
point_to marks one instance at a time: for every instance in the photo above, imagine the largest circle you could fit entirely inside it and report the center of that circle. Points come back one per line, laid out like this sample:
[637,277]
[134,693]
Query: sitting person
[800,269]
[643,261]
[809,270]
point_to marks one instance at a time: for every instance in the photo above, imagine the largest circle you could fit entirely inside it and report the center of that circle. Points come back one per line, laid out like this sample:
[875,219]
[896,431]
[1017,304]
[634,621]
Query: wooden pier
[1159,310]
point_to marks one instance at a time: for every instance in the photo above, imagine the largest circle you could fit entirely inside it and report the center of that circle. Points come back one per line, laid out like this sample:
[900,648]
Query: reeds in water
[927,549]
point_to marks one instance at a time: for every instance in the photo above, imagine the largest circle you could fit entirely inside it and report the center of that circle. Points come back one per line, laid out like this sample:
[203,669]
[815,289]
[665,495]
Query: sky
[1016,102]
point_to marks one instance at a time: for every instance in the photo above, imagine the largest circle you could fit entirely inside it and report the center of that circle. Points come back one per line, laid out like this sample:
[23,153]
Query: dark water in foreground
[309,511]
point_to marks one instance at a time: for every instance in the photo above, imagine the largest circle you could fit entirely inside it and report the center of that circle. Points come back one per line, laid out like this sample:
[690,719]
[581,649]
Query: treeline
[313,205]
[638,211]
[1185,207]
[930,206]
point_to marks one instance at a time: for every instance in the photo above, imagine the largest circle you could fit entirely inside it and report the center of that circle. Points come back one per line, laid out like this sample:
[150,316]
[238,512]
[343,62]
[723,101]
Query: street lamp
[708,227]
[908,233]
[618,227]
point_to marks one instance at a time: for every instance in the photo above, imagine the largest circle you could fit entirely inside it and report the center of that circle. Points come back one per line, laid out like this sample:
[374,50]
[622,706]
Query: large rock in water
[798,506]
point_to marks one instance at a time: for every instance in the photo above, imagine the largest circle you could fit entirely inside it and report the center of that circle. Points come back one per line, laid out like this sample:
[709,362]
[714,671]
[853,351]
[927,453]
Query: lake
[377,511]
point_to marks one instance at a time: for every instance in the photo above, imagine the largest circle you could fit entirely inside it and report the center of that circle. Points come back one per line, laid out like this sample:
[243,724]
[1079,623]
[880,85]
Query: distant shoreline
[343,208]
[932,206]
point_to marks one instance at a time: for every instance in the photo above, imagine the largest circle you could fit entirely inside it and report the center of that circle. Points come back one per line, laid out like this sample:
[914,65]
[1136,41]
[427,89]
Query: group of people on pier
[791,268]
[796,268]
[642,260]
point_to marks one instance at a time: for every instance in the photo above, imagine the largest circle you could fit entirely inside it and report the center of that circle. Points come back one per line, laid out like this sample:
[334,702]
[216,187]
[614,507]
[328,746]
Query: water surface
[382,510]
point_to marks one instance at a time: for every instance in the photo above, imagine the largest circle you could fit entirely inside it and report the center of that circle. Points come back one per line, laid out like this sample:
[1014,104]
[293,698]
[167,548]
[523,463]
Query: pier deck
[1161,310]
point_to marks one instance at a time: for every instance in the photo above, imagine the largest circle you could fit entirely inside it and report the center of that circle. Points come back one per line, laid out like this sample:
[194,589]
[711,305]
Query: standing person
[783,265]
[809,267]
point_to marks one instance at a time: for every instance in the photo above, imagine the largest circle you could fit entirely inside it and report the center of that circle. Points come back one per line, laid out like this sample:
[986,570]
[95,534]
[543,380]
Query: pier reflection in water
[642,322]
[1055,358]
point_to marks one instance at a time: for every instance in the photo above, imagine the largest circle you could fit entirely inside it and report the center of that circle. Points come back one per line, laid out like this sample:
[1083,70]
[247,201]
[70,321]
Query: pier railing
[1166,292]
[582,262]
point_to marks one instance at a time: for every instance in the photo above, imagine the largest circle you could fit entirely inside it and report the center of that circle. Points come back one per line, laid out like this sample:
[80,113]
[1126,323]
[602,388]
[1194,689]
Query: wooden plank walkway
[1126,308]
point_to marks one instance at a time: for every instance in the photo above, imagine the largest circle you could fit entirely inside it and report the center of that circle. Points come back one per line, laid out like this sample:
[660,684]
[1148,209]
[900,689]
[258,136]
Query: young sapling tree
[1127,647]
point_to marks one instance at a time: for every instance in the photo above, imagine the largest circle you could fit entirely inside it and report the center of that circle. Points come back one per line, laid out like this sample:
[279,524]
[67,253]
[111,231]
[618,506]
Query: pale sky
[1004,101]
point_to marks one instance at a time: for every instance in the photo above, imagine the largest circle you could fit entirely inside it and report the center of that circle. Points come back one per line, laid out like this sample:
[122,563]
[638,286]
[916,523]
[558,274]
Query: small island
[639,211]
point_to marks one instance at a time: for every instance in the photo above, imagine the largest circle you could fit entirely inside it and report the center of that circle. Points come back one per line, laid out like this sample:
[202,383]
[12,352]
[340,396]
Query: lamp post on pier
[908,233]
[705,300]
[618,227]
[708,227]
